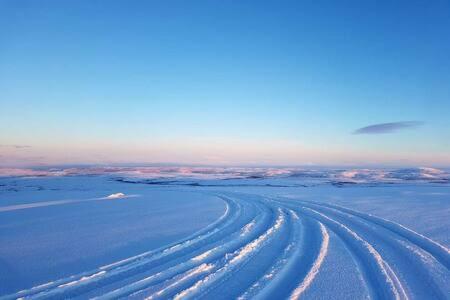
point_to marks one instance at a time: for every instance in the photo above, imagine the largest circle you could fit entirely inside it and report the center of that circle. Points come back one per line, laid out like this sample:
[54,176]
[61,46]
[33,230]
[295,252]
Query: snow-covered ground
[224,233]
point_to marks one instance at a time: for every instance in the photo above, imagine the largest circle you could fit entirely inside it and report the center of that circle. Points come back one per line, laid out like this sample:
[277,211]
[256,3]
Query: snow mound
[116,196]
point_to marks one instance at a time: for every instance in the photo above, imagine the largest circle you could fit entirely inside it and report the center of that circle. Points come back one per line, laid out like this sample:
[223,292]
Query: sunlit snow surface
[224,233]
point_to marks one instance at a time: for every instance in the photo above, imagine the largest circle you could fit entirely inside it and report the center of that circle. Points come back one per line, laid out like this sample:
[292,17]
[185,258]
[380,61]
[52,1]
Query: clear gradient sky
[225,82]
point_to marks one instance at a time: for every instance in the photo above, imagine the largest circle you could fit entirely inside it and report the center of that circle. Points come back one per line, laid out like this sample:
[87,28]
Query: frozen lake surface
[227,235]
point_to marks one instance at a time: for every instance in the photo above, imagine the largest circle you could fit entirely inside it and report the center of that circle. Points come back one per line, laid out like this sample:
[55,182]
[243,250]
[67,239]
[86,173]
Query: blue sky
[224,82]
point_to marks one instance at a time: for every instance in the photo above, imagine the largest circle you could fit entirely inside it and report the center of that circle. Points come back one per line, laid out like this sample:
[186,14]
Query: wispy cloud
[15,146]
[387,127]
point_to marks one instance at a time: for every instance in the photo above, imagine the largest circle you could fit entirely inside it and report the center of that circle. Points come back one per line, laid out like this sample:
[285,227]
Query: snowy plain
[224,233]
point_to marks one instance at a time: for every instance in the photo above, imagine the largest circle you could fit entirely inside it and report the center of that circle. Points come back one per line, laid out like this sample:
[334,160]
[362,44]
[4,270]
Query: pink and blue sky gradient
[225,82]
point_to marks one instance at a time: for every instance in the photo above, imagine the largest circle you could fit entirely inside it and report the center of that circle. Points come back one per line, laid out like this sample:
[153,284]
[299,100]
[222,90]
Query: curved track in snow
[268,248]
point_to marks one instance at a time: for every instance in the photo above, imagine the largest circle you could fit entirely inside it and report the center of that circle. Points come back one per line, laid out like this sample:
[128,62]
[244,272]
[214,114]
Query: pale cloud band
[15,146]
